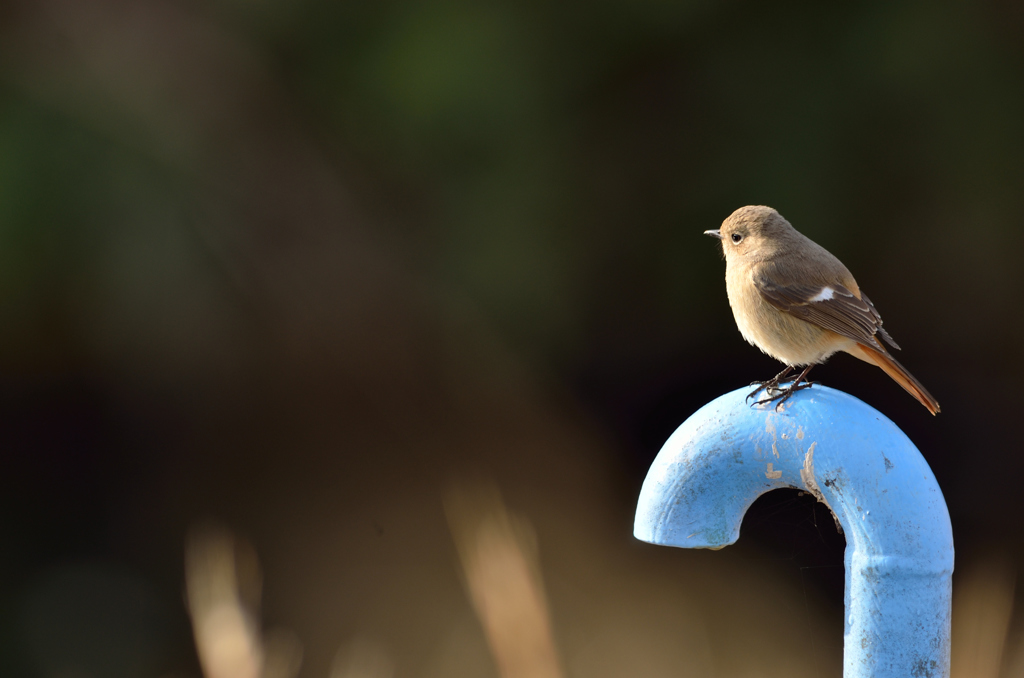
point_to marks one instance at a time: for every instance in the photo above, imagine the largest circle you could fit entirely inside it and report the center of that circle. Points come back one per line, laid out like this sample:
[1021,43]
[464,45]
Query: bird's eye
[736,237]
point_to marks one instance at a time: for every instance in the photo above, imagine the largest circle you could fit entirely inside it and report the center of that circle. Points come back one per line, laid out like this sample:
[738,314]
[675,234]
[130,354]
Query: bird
[798,303]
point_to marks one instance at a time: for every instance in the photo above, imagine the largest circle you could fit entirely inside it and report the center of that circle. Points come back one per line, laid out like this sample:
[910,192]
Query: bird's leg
[782,395]
[770,385]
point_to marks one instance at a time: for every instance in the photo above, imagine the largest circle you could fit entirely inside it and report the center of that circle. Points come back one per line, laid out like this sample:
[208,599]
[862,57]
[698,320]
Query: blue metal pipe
[899,542]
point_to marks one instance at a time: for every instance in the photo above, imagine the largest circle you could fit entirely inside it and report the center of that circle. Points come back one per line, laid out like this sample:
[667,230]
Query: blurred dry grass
[982,610]
[499,559]
[223,584]
[500,564]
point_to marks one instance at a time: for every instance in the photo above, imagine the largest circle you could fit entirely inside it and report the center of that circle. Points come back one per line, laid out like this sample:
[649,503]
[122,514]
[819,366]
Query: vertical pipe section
[899,542]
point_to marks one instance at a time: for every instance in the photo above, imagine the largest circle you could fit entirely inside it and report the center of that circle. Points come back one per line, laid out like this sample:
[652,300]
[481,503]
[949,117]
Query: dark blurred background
[297,267]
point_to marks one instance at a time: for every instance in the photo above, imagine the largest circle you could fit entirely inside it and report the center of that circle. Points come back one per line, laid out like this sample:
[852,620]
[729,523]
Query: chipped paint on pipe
[899,542]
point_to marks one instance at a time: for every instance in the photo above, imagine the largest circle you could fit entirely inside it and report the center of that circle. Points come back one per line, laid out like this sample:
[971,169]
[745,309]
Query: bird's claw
[772,390]
[770,385]
[782,395]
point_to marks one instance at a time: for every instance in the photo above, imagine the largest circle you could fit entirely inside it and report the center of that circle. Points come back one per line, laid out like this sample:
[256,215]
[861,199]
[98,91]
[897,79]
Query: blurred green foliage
[556,163]
[564,159]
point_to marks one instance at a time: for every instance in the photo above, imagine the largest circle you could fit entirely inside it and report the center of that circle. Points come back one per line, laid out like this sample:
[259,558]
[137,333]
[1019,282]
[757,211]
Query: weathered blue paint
[899,543]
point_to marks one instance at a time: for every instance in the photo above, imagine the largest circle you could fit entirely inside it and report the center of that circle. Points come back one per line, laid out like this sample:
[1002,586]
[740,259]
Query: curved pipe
[899,542]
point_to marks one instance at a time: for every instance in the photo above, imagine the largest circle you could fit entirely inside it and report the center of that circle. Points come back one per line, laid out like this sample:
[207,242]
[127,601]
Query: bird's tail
[897,372]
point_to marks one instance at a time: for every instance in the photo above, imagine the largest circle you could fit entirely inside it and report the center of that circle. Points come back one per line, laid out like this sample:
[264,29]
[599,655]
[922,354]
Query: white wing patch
[824,295]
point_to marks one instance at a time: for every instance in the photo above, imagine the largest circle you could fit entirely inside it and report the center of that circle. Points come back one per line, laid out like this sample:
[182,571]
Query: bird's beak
[714,234]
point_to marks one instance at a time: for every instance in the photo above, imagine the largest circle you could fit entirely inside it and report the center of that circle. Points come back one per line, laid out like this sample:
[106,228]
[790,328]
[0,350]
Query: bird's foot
[771,385]
[783,394]
[772,390]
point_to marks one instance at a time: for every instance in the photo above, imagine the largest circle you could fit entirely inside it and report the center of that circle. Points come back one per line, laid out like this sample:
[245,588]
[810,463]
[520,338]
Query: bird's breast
[782,336]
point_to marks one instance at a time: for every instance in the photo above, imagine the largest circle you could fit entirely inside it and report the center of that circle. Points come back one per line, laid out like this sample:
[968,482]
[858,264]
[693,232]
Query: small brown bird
[799,304]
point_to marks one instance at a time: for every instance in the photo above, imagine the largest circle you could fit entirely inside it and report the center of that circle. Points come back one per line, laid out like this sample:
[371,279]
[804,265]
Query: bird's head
[754,232]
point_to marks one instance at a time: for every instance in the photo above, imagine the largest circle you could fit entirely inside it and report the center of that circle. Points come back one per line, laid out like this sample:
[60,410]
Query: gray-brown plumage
[796,302]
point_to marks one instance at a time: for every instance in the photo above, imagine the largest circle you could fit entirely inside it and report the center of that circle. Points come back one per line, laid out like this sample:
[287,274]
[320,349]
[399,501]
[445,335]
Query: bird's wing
[881,330]
[832,307]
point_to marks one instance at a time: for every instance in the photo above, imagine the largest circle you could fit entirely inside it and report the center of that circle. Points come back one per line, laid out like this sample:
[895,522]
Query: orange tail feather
[898,373]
